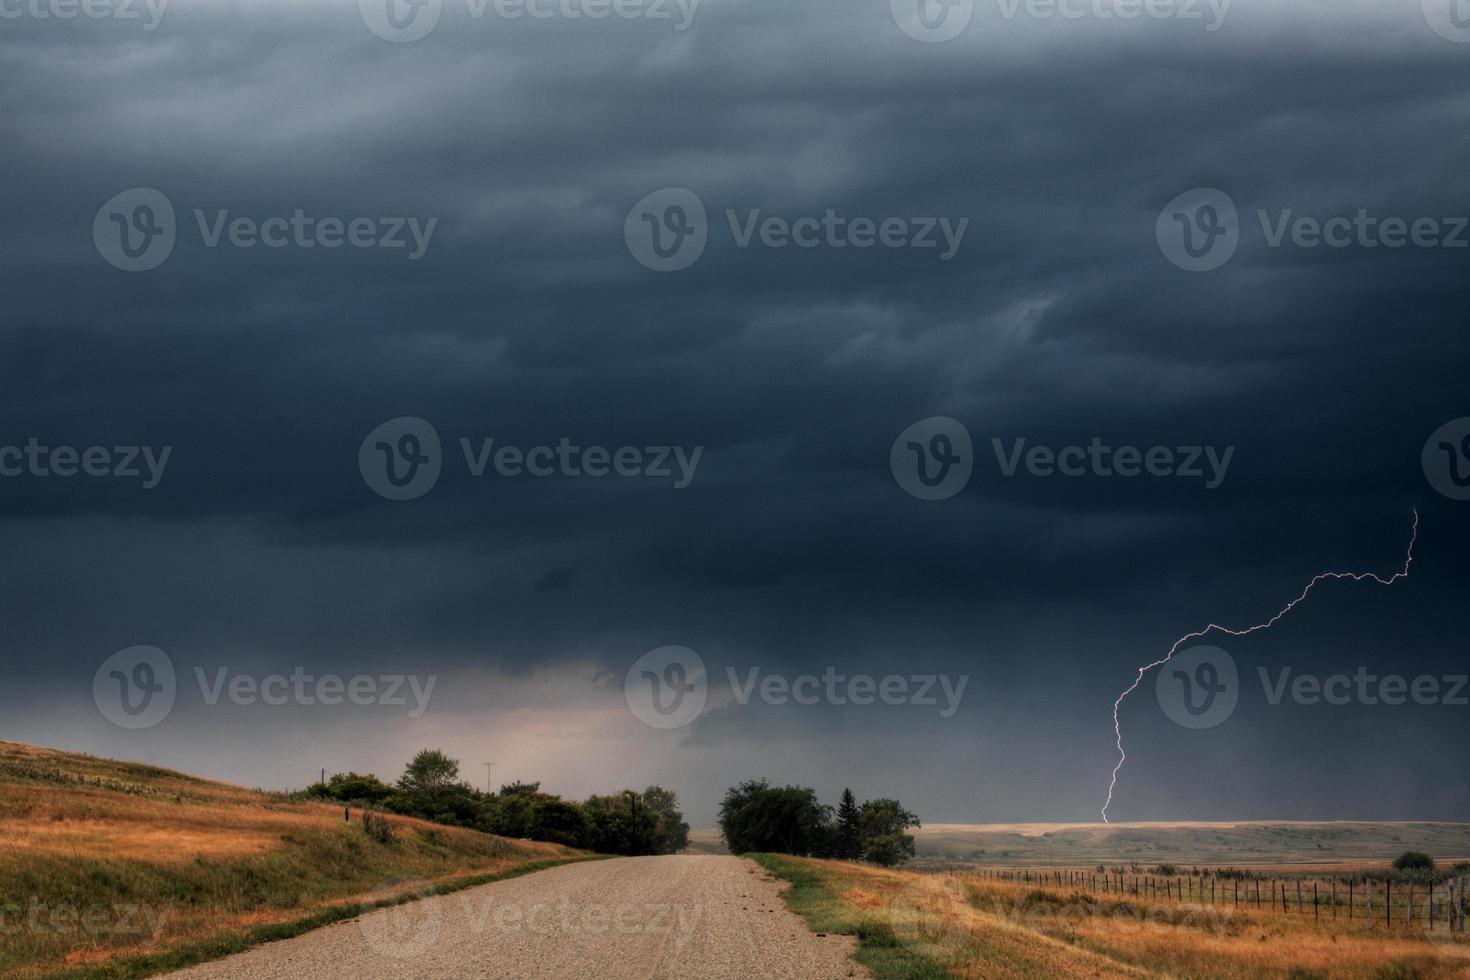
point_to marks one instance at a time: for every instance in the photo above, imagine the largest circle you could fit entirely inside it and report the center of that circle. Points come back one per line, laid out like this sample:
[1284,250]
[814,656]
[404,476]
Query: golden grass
[972,926]
[106,861]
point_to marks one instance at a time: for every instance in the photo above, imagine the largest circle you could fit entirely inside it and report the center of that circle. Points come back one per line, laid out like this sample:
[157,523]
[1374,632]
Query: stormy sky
[530,315]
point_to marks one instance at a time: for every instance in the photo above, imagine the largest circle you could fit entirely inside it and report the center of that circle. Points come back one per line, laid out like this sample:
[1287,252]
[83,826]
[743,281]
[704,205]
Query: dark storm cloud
[528,320]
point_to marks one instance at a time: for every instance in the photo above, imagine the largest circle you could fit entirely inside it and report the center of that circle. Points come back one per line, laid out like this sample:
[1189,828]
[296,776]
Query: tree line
[430,788]
[756,816]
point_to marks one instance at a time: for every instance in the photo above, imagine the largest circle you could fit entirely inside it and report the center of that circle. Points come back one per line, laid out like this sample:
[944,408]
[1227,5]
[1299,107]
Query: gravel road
[691,916]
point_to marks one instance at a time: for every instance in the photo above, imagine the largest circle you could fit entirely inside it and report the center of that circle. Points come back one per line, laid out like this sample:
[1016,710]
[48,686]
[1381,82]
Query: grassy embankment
[919,926]
[114,869]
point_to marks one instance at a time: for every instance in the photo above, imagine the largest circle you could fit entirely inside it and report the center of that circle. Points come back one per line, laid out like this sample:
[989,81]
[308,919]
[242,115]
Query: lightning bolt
[1215,627]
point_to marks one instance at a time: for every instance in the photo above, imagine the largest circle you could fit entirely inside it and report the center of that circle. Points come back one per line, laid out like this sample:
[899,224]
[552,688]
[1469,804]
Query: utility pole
[488,767]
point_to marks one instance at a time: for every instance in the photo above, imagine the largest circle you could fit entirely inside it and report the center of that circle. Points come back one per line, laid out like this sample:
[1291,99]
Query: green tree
[559,822]
[349,787]
[623,824]
[888,849]
[431,771]
[671,832]
[881,826]
[756,816]
[847,842]
[1413,861]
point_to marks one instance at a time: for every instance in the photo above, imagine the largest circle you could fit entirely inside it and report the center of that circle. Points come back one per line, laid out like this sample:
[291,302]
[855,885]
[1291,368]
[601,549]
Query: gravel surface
[683,916]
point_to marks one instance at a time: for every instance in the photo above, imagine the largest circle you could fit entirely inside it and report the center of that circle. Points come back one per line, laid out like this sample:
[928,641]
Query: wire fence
[1431,904]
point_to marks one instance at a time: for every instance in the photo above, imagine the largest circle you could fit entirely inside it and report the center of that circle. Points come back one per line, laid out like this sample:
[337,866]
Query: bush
[349,787]
[378,827]
[756,816]
[1413,861]
[559,822]
[888,849]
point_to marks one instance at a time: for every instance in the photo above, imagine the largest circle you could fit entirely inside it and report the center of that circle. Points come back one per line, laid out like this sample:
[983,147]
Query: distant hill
[1240,843]
[120,869]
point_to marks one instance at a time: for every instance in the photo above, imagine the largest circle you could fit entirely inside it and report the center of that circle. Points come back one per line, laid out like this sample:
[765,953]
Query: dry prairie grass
[117,869]
[963,925]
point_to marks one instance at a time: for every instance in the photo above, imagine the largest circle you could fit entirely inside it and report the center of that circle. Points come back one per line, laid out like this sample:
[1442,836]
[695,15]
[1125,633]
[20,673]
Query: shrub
[756,816]
[378,827]
[1413,861]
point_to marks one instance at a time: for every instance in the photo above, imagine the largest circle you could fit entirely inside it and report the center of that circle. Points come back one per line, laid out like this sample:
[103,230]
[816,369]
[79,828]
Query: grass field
[1254,844]
[915,926]
[113,869]
[1243,844]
